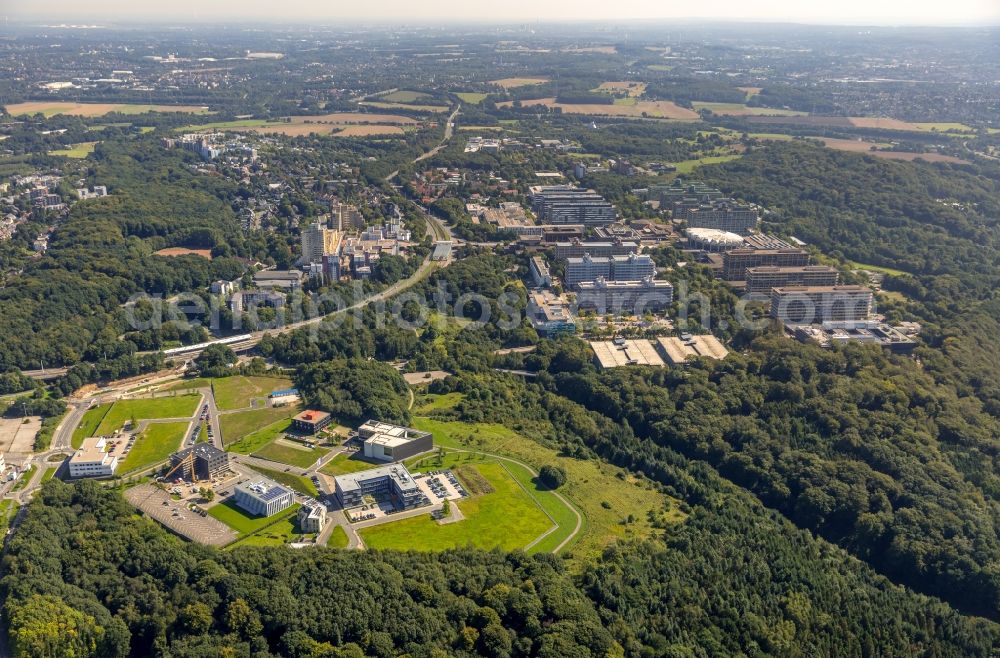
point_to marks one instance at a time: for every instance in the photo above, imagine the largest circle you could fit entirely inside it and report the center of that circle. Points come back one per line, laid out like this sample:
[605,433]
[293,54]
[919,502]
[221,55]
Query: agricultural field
[858,146]
[603,493]
[404,96]
[508,518]
[346,462]
[235,426]
[629,88]
[237,391]
[320,124]
[241,522]
[513,83]
[291,453]
[299,483]
[173,252]
[154,444]
[81,150]
[751,91]
[122,411]
[649,109]
[369,131]
[52,108]
[739,109]
[471,97]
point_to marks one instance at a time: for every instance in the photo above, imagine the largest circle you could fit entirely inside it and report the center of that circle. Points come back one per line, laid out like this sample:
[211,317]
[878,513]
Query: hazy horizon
[845,12]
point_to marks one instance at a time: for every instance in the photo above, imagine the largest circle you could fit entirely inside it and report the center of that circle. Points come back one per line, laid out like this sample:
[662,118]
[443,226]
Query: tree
[215,361]
[552,476]
[45,627]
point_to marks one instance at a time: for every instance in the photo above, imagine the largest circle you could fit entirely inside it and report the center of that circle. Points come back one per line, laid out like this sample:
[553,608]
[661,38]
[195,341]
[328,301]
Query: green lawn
[22,481]
[237,391]
[243,523]
[778,137]
[285,531]
[405,96]
[426,404]
[188,384]
[88,425]
[854,265]
[49,473]
[405,106]
[740,108]
[157,442]
[506,519]
[299,483]
[471,97]
[687,166]
[175,406]
[81,150]
[223,125]
[347,462]
[257,440]
[8,509]
[338,538]
[237,425]
[303,457]
[944,126]
[591,483]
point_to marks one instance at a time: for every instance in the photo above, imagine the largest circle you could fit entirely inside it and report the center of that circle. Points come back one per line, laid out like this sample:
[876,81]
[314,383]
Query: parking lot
[175,514]
[440,485]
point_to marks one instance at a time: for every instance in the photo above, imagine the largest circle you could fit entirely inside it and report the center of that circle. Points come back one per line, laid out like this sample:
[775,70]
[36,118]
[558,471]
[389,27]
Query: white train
[173,351]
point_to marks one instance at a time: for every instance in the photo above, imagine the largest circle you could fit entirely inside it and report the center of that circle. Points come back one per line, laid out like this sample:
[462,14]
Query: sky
[846,12]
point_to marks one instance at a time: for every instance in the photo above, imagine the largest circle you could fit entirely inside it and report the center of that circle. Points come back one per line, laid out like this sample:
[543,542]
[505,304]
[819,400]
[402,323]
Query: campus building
[96,457]
[550,314]
[762,279]
[263,497]
[596,248]
[677,350]
[566,204]
[199,462]
[679,192]
[736,261]
[540,273]
[311,421]
[817,304]
[634,267]
[318,241]
[719,214]
[624,297]
[390,443]
[621,352]
[393,481]
[312,517]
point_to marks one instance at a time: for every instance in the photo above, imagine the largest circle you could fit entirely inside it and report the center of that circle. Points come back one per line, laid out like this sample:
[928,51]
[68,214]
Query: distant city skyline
[845,12]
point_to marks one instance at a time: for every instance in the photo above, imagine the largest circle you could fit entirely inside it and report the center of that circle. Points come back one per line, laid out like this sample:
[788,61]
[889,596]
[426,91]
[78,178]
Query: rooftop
[263,489]
[395,472]
[616,353]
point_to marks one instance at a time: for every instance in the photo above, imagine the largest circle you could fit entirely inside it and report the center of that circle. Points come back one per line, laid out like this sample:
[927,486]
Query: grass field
[511,83]
[49,473]
[256,440]
[52,108]
[471,97]
[89,423]
[778,137]
[346,462]
[426,404]
[591,483]
[507,519]
[154,444]
[288,452]
[382,105]
[687,166]
[8,509]
[80,150]
[944,126]
[235,426]
[26,476]
[854,265]
[243,523]
[236,392]
[404,96]
[632,89]
[179,406]
[338,538]
[299,483]
[649,109]
[285,531]
[739,109]
[320,124]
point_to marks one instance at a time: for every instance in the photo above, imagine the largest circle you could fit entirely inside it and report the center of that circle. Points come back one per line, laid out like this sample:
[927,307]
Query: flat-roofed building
[597,248]
[762,279]
[311,517]
[621,352]
[199,462]
[567,204]
[736,261]
[869,332]
[677,350]
[540,273]
[624,297]
[282,280]
[311,421]
[719,214]
[633,267]
[816,304]
[97,456]
[550,314]
[263,497]
[394,481]
[390,443]
[318,241]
